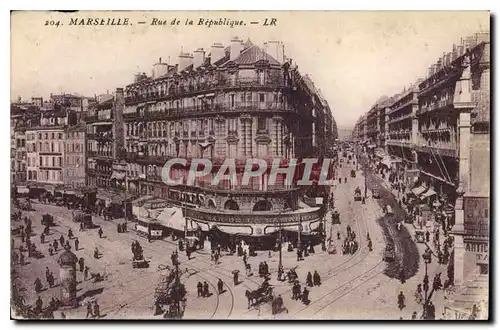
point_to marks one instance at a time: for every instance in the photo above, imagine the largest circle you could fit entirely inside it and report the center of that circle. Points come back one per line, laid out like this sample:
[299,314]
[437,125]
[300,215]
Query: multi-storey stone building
[238,102]
[74,165]
[441,125]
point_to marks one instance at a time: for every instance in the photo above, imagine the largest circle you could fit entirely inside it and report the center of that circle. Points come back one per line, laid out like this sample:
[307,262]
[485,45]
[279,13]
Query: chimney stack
[185,60]
[277,50]
[236,48]
[199,57]
[216,53]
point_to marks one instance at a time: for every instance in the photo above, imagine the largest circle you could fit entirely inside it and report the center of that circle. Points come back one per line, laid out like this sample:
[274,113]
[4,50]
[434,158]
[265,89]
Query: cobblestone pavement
[353,286]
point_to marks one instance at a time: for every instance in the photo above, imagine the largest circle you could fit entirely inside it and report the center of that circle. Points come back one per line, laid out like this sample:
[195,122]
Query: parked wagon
[357,194]
[389,253]
[85,218]
[419,236]
[48,220]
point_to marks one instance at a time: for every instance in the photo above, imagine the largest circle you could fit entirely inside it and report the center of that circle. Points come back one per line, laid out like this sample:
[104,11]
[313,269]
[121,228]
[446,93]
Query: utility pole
[280,264]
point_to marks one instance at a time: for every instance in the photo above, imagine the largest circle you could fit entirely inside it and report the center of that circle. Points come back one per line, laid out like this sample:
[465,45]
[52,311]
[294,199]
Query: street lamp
[427,259]
[280,263]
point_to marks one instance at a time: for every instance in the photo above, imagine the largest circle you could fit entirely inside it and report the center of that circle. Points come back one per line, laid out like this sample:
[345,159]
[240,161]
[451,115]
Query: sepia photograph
[250,165]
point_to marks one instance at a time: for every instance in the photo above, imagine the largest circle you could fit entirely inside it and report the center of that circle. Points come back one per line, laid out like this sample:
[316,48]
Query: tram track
[362,253]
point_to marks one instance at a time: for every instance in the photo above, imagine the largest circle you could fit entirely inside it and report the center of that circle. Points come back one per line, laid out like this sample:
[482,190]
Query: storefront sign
[477,216]
[480,250]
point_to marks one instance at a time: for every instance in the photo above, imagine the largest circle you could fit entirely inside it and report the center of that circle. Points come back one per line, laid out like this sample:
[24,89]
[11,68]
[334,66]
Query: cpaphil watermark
[306,172]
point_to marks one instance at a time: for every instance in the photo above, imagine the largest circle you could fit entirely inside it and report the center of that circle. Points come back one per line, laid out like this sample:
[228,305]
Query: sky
[353,57]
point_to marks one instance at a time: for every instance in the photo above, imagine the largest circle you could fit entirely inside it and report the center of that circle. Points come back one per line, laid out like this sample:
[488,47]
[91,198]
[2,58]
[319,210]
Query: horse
[254,297]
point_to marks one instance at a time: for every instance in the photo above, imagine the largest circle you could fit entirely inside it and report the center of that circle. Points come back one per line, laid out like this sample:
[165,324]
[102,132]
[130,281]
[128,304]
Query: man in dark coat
[220,286]
[200,289]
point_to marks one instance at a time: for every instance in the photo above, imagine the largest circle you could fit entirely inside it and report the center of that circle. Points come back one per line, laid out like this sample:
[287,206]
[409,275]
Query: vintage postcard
[276,165]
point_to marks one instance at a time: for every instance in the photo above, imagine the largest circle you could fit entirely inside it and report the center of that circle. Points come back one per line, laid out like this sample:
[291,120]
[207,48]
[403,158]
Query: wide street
[358,282]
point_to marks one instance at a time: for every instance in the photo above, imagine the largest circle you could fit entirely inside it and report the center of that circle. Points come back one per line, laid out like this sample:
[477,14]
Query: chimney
[236,47]
[277,50]
[185,60]
[199,57]
[118,123]
[217,52]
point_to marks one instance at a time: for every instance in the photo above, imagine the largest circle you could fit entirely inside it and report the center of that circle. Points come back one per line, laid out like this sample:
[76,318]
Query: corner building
[239,102]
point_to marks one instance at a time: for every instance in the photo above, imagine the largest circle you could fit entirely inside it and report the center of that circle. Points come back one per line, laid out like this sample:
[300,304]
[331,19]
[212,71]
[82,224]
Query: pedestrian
[206,292]
[47,273]
[100,232]
[338,235]
[81,226]
[200,289]
[86,273]
[97,313]
[38,285]
[51,251]
[21,258]
[56,245]
[427,236]
[414,316]
[118,228]
[61,240]
[316,278]
[81,264]
[89,311]
[38,305]
[188,253]
[305,296]
[220,286]
[67,246]
[96,253]
[77,242]
[70,233]
[309,280]
[401,300]
[42,238]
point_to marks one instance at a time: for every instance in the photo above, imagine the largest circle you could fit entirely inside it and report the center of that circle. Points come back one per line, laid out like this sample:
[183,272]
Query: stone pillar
[459,246]
[67,276]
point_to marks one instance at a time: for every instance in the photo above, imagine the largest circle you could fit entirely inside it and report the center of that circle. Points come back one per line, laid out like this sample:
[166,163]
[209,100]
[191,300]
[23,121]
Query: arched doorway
[231,205]
[263,205]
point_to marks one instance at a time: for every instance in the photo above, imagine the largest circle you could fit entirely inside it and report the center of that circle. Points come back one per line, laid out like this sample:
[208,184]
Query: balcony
[441,104]
[187,89]
[432,145]
[101,154]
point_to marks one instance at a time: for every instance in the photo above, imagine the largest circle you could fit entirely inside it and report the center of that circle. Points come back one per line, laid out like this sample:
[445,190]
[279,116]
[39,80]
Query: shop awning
[118,175]
[428,193]
[139,201]
[235,230]
[172,217]
[418,190]
[23,190]
[204,144]
[319,200]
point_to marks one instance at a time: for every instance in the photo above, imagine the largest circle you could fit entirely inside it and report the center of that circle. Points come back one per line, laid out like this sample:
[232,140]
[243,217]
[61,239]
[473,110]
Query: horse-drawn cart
[357,194]
[263,294]
[389,253]
[85,218]
[48,220]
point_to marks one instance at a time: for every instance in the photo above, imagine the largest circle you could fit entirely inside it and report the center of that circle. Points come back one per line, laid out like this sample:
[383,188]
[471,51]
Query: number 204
[52,23]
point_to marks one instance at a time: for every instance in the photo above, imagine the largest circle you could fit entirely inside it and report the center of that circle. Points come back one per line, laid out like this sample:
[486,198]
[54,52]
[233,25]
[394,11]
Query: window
[41,161]
[262,97]
[261,124]
[53,136]
[60,136]
[29,161]
[231,98]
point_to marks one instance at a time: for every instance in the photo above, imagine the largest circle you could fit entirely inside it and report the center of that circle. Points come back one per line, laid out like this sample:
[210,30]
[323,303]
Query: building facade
[74,154]
[440,129]
[238,102]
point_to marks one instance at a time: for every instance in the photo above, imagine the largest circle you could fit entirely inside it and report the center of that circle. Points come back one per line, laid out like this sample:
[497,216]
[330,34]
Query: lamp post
[280,263]
[427,259]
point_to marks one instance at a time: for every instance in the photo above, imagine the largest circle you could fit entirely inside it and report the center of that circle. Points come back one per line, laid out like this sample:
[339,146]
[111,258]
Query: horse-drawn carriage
[263,294]
[353,173]
[357,194]
[169,291]
[335,217]
[389,253]
[85,218]
[138,260]
[48,220]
